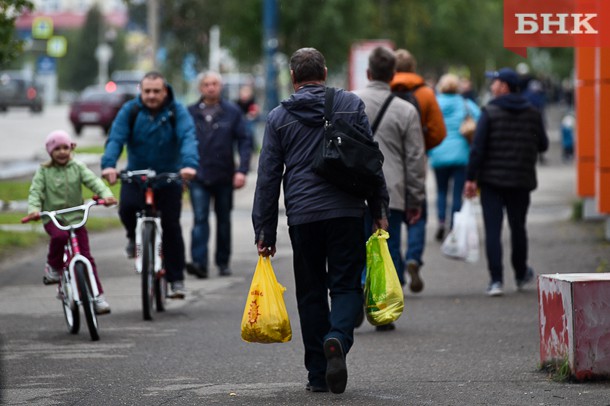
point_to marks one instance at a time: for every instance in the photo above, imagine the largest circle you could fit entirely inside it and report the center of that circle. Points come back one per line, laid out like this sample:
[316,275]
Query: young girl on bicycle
[57,185]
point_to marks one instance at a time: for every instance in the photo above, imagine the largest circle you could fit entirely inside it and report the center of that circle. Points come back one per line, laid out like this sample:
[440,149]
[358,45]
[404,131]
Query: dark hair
[382,64]
[307,64]
[153,75]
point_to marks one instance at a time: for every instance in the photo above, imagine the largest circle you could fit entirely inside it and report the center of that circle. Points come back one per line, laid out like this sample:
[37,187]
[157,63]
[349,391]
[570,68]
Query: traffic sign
[57,46]
[45,65]
[42,27]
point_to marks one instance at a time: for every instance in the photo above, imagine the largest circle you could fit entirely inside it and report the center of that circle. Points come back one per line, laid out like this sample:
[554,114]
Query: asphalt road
[452,346]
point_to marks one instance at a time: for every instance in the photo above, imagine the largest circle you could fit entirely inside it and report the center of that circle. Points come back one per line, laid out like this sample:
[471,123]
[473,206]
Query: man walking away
[510,134]
[325,223]
[400,140]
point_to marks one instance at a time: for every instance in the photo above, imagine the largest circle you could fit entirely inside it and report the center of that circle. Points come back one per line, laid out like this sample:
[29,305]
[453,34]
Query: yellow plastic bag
[384,300]
[265,318]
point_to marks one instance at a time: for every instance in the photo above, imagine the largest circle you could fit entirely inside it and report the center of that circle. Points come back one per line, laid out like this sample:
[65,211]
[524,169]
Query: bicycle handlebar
[148,175]
[53,214]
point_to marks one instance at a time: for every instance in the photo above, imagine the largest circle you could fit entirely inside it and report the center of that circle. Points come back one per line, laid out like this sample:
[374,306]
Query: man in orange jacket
[408,84]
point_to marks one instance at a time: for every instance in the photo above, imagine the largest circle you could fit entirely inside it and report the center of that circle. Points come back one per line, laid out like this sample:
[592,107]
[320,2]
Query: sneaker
[386,327]
[440,233]
[416,284]
[336,370]
[130,248]
[529,276]
[51,275]
[495,289]
[224,270]
[177,290]
[315,388]
[197,270]
[100,305]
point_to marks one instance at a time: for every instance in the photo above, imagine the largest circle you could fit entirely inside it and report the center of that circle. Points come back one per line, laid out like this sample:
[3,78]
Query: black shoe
[386,327]
[196,270]
[316,388]
[336,370]
[130,248]
[224,270]
[440,233]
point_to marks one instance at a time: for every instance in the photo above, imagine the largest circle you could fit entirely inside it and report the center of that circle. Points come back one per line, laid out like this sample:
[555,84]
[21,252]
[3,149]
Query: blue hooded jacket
[154,143]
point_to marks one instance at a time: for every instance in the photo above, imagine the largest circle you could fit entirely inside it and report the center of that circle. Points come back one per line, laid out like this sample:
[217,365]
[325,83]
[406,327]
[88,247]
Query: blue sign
[46,65]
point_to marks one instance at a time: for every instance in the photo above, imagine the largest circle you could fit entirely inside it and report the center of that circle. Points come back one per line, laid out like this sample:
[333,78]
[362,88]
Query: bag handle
[386,103]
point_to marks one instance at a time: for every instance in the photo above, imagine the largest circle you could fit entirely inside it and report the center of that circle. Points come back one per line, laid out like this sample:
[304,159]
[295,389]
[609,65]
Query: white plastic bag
[462,242]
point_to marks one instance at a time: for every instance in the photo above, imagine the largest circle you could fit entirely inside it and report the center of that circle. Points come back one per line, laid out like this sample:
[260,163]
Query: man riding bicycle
[160,135]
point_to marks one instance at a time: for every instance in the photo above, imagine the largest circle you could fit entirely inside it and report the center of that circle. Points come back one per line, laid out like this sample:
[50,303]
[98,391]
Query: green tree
[11,47]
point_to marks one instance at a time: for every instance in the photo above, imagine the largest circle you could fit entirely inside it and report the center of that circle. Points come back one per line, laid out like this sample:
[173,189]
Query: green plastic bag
[384,300]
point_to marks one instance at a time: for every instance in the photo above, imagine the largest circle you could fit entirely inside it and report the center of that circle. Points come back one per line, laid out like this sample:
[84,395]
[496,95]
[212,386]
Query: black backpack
[409,95]
[347,157]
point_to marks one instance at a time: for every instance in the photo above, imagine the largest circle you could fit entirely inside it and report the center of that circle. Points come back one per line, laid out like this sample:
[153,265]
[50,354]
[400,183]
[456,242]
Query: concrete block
[574,318]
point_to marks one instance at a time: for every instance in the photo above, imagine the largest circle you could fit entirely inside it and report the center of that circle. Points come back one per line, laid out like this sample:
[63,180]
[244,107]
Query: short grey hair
[210,73]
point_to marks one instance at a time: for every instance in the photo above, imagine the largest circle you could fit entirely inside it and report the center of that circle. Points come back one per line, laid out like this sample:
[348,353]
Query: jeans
[516,202]
[201,195]
[416,237]
[168,200]
[444,174]
[59,238]
[339,243]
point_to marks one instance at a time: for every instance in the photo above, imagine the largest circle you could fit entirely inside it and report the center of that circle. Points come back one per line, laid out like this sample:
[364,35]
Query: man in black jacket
[510,134]
[221,129]
[325,223]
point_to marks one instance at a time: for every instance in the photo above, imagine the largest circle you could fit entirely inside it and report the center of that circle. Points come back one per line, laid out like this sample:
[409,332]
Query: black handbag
[348,158]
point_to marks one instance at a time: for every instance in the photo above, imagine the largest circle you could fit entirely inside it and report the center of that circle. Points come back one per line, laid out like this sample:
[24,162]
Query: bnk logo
[560,23]
[555,23]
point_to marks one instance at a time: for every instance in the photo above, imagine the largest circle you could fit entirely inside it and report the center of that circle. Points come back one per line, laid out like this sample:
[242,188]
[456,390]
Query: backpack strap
[386,103]
[135,110]
[329,99]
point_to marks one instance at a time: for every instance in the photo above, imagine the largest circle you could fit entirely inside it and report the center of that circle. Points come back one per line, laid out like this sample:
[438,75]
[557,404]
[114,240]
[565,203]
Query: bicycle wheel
[86,299]
[160,290]
[68,304]
[148,270]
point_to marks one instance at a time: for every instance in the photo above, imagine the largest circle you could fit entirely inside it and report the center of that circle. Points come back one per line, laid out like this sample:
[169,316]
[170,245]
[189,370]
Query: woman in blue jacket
[449,159]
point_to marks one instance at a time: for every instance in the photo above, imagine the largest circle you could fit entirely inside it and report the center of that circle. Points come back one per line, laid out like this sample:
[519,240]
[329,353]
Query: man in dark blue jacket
[160,136]
[221,128]
[325,223]
[510,134]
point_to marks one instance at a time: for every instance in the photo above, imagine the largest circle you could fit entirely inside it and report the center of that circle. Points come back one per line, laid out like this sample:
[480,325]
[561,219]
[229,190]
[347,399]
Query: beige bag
[468,126]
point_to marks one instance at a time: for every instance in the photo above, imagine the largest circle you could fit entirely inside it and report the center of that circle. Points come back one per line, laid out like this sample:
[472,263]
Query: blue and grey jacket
[292,137]
[217,141]
[154,143]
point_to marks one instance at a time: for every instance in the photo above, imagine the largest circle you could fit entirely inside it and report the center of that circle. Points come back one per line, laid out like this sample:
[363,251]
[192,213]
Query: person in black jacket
[325,223]
[510,134]
[220,129]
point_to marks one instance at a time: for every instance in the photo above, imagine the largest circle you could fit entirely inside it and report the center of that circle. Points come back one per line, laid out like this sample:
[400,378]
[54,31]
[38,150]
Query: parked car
[98,106]
[18,90]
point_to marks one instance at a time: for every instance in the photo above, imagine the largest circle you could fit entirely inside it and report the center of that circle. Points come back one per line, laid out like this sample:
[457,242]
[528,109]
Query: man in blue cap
[510,134]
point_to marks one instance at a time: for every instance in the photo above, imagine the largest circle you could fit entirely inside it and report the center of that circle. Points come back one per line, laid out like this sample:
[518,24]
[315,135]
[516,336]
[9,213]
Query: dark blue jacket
[293,134]
[509,135]
[154,143]
[216,146]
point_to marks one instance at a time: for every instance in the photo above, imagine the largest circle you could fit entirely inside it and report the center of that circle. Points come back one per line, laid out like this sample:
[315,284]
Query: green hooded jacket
[57,187]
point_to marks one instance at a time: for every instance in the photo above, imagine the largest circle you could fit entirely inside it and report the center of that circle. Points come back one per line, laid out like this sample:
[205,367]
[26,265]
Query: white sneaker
[51,275]
[177,290]
[495,289]
[100,305]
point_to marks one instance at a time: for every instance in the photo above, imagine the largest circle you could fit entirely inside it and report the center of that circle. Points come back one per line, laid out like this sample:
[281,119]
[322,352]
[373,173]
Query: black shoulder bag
[348,158]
